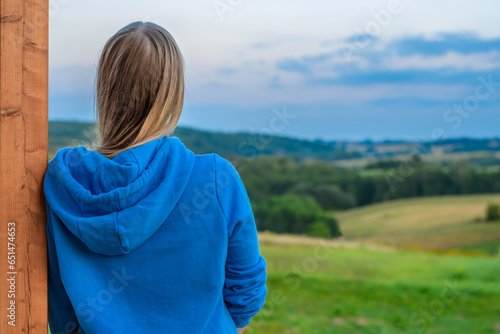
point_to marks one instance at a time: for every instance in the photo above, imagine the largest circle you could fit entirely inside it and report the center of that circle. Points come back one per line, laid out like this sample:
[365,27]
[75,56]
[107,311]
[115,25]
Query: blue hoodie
[155,240]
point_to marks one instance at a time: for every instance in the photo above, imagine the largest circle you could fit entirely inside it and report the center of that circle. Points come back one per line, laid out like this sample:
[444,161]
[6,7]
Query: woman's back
[155,240]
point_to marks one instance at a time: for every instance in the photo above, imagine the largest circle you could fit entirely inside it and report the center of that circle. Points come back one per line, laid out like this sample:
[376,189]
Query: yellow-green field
[446,222]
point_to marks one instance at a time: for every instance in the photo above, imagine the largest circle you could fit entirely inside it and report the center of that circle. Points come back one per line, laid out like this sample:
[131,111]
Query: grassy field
[313,288]
[447,222]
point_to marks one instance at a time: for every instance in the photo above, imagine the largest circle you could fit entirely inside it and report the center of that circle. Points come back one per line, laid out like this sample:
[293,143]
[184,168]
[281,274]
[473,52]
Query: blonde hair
[139,88]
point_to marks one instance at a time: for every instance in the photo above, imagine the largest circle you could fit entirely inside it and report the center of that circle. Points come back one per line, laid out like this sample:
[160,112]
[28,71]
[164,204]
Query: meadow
[355,288]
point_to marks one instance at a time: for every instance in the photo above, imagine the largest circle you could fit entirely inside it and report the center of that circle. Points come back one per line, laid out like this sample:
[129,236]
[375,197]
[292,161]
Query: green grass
[490,247]
[446,222]
[362,291]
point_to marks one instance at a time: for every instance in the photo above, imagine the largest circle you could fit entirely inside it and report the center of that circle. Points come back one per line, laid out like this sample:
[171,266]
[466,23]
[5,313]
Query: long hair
[139,88]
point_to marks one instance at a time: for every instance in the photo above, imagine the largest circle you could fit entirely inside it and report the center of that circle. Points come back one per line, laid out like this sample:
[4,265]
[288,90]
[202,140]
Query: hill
[444,222]
[230,145]
[479,152]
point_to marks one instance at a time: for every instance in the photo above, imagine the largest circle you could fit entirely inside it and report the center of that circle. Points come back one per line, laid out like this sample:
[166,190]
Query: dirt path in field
[266,238]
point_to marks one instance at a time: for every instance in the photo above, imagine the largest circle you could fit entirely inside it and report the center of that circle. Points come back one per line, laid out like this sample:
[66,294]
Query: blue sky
[357,70]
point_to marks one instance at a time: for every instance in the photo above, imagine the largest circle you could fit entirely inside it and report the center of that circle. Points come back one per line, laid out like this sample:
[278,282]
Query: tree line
[299,197]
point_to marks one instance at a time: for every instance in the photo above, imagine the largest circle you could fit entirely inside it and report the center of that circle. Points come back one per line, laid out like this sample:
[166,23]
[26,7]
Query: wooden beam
[23,162]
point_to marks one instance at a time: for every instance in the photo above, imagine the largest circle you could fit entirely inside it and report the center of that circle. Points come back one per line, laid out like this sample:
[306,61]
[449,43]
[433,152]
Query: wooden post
[23,162]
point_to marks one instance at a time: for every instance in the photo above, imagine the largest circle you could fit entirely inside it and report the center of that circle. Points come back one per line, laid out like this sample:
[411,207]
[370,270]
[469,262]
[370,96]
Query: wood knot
[10,18]
[9,113]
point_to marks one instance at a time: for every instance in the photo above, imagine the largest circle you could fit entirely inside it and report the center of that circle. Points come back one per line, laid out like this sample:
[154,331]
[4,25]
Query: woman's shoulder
[216,168]
[213,161]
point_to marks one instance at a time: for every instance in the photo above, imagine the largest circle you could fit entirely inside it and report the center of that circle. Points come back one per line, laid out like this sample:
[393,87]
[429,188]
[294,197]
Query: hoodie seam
[96,180]
[138,164]
[116,221]
[216,190]
[78,227]
[117,232]
[118,201]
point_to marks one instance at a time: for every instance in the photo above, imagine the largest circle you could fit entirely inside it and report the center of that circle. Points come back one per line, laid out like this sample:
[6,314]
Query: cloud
[443,76]
[276,82]
[305,65]
[227,70]
[264,45]
[296,66]
[443,43]
[477,62]
[448,60]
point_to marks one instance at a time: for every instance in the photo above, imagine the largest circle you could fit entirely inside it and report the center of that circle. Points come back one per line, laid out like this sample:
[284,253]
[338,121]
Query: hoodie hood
[114,205]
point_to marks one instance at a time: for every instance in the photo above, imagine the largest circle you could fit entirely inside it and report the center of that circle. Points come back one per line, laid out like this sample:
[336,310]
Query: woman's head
[139,87]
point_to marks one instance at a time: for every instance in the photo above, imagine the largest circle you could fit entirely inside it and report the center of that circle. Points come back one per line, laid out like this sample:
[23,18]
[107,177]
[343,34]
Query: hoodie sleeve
[245,284]
[62,317]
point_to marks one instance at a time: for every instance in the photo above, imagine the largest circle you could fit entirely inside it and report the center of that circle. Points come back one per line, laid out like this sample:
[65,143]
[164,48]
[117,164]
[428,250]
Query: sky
[317,69]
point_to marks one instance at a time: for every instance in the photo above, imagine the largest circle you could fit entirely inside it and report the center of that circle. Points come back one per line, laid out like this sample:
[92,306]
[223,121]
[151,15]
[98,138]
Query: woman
[144,236]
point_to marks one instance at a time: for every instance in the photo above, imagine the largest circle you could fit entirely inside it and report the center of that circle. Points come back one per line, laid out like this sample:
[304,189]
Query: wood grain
[23,161]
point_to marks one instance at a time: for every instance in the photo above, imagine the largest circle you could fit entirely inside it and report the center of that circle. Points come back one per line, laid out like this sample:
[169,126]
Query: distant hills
[228,145]
[482,152]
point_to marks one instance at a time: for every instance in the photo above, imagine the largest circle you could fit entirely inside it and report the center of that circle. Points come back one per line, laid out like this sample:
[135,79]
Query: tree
[329,196]
[492,212]
[319,229]
[295,214]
